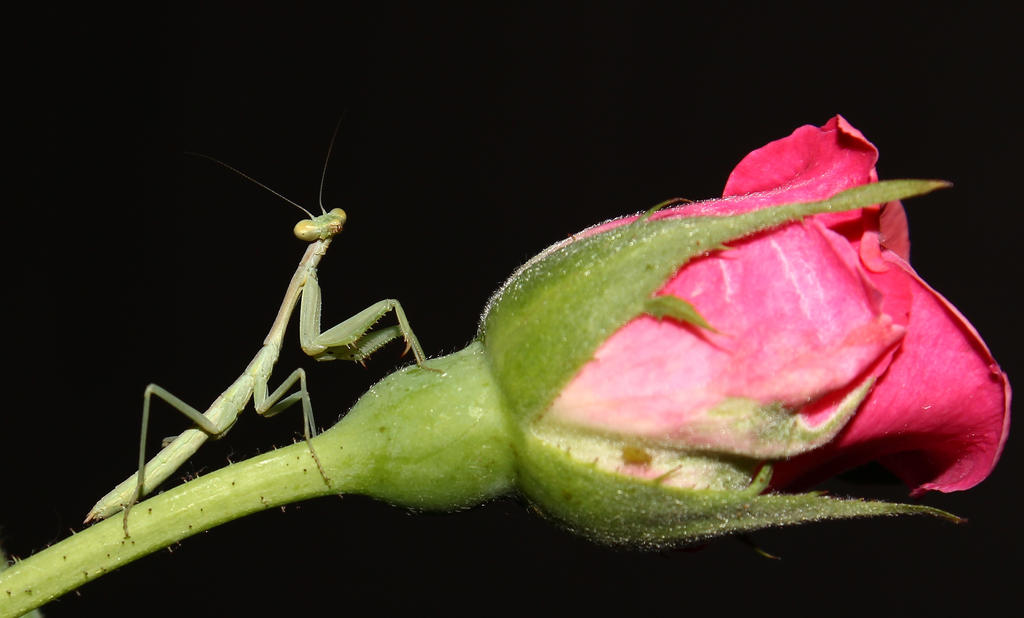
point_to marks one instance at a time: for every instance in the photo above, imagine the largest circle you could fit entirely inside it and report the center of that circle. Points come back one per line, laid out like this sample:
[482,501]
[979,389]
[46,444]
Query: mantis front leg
[352,339]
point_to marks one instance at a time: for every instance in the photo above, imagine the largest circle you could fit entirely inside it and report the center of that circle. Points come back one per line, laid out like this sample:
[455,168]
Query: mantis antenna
[253,180]
[327,159]
[323,173]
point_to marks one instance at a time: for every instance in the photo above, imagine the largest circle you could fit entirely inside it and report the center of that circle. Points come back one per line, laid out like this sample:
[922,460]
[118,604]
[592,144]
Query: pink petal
[812,162]
[799,321]
[894,233]
[938,418]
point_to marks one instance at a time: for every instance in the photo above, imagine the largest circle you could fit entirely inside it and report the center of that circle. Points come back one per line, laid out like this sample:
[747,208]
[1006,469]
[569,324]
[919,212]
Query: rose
[830,351]
[809,348]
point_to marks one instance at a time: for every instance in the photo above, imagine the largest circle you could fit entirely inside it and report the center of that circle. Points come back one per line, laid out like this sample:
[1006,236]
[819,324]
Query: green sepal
[675,201]
[550,317]
[644,514]
[676,308]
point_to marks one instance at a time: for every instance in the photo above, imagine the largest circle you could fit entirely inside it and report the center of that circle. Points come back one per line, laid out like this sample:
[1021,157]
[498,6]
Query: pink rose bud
[650,380]
[826,343]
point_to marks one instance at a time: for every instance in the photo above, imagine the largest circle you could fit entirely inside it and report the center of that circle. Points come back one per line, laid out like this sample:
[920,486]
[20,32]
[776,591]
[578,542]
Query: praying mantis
[353,339]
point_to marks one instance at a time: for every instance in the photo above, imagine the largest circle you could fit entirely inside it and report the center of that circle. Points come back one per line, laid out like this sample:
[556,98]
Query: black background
[472,139]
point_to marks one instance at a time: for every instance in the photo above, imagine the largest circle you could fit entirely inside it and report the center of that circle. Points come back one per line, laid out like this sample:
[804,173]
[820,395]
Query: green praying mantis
[353,339]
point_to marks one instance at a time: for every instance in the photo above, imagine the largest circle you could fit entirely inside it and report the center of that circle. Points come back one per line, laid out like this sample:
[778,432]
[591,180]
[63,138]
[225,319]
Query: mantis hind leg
[201,422]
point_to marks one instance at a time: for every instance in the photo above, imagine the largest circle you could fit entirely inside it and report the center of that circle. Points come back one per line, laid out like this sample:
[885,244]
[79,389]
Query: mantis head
[321,227]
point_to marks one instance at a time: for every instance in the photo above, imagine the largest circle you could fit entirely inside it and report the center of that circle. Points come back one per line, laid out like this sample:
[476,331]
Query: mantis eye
[339,215]
[307,230]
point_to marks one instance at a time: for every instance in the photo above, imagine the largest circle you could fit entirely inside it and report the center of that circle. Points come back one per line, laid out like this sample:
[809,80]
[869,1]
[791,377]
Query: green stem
[273,479]
[428,439]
